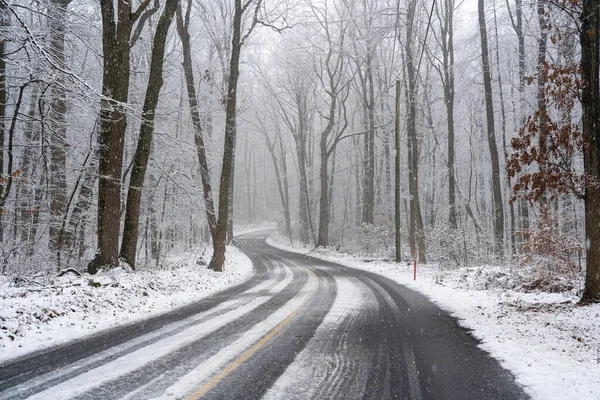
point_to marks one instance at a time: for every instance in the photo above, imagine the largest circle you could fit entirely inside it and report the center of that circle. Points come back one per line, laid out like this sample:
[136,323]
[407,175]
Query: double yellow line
[215,380]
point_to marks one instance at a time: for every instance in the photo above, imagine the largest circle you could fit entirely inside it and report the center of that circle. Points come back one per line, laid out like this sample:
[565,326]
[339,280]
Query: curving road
[301,328]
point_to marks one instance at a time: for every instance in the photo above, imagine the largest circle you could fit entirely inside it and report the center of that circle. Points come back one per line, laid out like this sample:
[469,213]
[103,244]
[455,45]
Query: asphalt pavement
[300,328]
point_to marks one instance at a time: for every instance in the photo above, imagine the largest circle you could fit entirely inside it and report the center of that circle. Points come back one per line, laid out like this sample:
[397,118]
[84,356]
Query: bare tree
[498,207]
[416,231]
[59,239]
[117,25]
[4,24]
[183,24]
[445,14]
[278,155]
[516,19]
[251,7]
[142,152]
[330,71]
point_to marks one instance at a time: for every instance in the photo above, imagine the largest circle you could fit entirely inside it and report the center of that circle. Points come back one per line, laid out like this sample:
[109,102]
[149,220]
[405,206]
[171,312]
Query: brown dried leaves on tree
[544,157]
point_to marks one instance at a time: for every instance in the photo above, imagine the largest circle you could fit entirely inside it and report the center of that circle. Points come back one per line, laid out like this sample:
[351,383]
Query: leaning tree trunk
[590,65]
[184,35]
[491,136]
[142,152]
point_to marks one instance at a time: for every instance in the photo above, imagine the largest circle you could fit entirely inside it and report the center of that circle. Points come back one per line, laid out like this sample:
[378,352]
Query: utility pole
[397,180]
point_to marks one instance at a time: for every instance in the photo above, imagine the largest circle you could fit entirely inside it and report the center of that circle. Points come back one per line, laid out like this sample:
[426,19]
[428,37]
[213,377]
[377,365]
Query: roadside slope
[36,314]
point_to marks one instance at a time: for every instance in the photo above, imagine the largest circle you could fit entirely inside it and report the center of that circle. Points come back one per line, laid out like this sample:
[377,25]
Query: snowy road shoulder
[550,344]
[40,314]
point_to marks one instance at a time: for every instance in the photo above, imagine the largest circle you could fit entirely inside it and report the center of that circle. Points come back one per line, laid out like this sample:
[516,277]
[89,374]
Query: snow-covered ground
[549,343]
[47,311]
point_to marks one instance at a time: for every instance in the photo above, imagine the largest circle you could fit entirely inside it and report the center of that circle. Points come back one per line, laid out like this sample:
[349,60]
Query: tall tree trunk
[142,152]
[368,89]
[517,23]
[449,90]
[304,208]
[416,230]
[217,262]
[498,207]
[4,24]
[26,204]
[78,218]
[116,36]
[59,240]
[590,74]
[511,212]
[541,98]
[286,191]
[183,31]
[397,173]
[300,132]
[229,236]
[323,236]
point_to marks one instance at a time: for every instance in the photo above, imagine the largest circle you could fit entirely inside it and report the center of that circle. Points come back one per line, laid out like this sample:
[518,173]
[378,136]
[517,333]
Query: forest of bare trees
[131,130]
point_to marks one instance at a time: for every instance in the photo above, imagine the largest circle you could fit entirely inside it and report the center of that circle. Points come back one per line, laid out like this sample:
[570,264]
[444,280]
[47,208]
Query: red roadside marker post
[415,270]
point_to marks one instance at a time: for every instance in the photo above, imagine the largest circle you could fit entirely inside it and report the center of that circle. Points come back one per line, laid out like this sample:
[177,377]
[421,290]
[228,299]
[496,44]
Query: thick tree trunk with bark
[304,208]
[116,34]
[590,73]
[323,236]
[498,207]
[416,231]
[142,152]
[225,194]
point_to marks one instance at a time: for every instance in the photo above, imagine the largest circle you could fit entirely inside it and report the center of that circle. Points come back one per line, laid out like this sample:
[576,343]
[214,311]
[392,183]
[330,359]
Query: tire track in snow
[181,366]
[99,368]
[210,368]
[322,370]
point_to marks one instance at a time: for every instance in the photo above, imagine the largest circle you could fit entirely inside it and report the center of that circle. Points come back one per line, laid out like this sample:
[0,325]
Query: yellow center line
[215,380]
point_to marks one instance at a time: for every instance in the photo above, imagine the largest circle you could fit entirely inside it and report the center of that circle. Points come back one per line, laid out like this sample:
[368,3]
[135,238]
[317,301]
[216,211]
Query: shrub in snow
[369,240]
[454,248]
[550,258]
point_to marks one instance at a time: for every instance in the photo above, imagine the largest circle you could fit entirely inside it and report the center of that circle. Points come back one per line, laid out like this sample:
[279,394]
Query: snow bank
[550,344]
[37,313]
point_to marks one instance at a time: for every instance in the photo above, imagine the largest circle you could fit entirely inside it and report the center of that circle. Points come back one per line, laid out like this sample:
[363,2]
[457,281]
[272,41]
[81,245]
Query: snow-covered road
[300,328]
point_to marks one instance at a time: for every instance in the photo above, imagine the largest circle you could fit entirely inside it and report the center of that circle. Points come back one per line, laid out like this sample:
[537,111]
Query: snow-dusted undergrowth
[38,313]
[549,343]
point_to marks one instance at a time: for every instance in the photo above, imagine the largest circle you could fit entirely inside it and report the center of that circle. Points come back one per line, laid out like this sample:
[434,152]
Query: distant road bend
[300,328]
